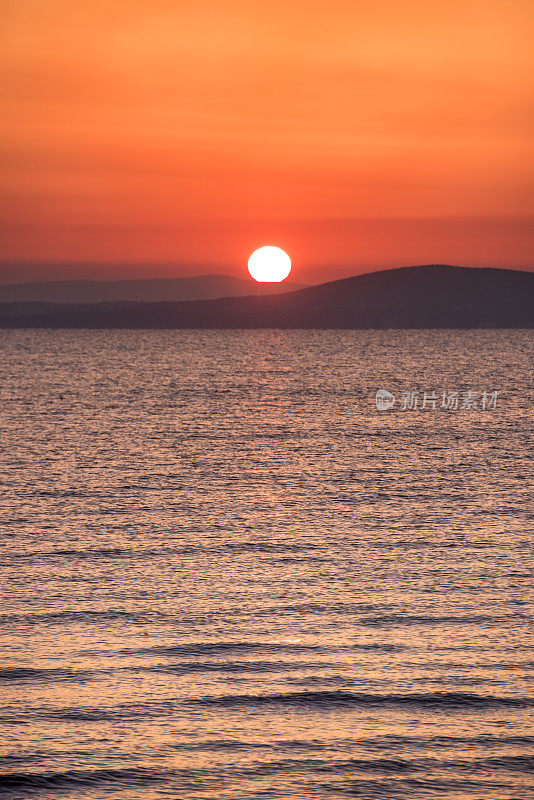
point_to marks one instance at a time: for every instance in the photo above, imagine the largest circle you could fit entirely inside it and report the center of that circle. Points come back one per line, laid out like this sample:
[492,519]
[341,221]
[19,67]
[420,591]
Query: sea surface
[227,575]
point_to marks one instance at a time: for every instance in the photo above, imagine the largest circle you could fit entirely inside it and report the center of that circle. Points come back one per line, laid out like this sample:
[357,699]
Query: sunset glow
[181,134]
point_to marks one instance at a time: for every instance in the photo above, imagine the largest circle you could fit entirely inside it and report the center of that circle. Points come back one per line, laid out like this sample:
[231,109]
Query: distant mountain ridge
[152,290]
[429,296]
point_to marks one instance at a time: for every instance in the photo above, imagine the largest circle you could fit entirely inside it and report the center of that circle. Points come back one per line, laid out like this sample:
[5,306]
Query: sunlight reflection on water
[229,576]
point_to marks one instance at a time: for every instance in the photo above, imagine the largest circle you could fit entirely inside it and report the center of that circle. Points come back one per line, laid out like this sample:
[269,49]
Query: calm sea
[229,576]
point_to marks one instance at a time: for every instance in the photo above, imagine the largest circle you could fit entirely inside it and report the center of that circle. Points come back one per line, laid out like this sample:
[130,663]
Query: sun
[269,265]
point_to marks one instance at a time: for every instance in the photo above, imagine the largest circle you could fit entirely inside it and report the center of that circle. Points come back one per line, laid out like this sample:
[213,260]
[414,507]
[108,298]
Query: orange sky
[185,134]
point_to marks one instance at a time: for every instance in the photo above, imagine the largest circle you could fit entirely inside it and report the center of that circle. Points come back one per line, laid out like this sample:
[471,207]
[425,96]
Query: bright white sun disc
[269,264]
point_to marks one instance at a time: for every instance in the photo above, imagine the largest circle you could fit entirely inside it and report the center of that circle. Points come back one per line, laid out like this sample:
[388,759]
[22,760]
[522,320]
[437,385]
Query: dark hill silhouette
[200,287]
[410,297]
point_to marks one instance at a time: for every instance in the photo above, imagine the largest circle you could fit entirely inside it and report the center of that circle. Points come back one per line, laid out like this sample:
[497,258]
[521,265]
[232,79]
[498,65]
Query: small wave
[84,554]
[412,619]
[512,763]
[326,607]
[86,615]
[186,667]
[213,648]
[35,674]
[39,781]
[389,742]
[436,700]
[96,713]
[333,766]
